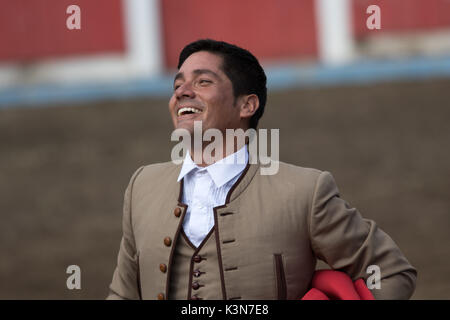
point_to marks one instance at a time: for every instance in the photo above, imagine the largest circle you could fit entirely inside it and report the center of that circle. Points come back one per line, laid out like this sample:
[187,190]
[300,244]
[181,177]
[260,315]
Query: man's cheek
[172,104]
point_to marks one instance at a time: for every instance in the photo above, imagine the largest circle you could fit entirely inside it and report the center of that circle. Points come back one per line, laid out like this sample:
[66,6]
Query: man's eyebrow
[207,71]
[179,75]
[197,72]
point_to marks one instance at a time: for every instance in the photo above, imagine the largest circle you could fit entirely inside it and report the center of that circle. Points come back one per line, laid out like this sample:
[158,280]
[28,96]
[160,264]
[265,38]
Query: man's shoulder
[290,183]
[161,166]
[306,178]
[290,171]
[155,171]
[291,177]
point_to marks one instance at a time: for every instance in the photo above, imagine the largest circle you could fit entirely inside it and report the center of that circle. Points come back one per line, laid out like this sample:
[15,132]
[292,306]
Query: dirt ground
[63,171]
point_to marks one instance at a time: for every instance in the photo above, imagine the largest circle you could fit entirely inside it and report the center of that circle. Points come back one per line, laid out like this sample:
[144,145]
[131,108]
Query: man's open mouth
[188,110]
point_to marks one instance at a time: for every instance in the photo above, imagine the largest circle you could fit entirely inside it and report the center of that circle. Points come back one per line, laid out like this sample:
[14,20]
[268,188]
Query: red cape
[336,285]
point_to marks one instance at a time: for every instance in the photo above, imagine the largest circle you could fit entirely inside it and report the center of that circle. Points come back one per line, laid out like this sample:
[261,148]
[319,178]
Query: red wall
[272,29]
[403,15]
[268,28]
[36,29]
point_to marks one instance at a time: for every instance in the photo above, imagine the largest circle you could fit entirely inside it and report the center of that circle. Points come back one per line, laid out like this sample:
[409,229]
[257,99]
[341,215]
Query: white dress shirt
[207,187]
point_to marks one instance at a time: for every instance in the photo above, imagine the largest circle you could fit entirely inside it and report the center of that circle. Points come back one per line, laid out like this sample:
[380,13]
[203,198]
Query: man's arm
[347,242]
[124,283]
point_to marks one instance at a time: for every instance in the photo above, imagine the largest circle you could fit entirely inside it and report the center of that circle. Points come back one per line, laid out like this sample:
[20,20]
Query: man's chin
[186,126]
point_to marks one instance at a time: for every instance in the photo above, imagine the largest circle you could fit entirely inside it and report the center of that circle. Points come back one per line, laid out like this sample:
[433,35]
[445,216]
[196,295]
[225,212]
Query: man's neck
[204,156]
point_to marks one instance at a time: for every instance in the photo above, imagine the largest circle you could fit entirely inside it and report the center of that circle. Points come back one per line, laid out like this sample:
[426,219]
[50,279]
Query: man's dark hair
[241,67]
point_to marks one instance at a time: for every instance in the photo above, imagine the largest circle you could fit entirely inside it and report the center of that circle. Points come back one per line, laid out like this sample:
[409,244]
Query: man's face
[202,92]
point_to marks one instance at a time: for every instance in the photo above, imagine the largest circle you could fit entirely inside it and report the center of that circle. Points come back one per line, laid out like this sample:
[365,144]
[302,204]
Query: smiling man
[224,230]
[204,91]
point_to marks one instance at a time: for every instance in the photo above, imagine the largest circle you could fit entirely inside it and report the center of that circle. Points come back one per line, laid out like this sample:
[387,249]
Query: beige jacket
[290,218]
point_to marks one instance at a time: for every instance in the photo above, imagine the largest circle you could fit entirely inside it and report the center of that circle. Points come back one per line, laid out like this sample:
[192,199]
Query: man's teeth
[188,109]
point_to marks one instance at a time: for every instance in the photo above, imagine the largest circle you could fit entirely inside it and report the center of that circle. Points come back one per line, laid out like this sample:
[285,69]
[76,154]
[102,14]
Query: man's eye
[205,81]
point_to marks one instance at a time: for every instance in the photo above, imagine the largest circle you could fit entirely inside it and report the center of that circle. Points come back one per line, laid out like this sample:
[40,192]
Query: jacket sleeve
[346,241]
[125,281]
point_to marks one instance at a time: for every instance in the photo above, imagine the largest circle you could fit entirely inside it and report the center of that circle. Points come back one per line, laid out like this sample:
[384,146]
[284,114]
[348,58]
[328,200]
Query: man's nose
[185,91]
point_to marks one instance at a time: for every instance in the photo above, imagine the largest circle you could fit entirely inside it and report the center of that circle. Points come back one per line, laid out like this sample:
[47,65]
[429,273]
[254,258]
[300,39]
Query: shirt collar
[221,171]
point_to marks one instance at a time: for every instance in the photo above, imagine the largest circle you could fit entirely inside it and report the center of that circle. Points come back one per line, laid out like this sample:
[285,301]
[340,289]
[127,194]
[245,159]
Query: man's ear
[248,105]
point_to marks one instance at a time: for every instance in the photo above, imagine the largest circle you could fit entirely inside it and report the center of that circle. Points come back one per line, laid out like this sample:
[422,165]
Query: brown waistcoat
[195,271]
